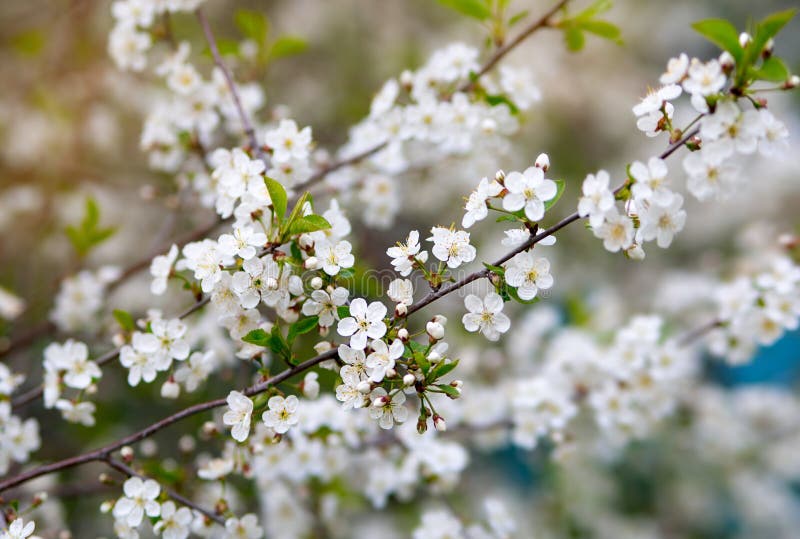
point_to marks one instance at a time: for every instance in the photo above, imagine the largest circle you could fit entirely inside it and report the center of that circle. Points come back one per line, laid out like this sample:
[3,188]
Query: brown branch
[249,131]
[183,500]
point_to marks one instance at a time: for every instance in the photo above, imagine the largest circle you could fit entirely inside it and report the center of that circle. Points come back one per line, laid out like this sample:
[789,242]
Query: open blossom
[204,259]
[355,368]
[704,78]
[657,98]
[325,305]
[597,198]
[364,322]
[709,174]
[451,246]
[616,231]
[403,255]
[529,274]
[215,469]
[476,203]
[259,281]
[661,222]
[383,358]
[160,269]
[676,70]
[127,46]
[175,523]
[242,242]
[529,190]
[139,499]
[485,315]
[282,413]
[287,142]
[165,342]
[196,369]
[335,256]
[388,410]
[401,291]
[651,181]
[77,412]
[19,530]
[72,358]
[243,528]
[240,409]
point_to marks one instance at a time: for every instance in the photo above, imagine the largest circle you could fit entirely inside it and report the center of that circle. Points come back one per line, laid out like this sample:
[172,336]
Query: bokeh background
[70,124]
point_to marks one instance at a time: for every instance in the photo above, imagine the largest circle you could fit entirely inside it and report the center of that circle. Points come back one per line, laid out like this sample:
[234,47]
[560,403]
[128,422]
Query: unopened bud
[434,356]
[221,507]
[402,334]
[744,39]
[542,162]
[126,453]
[727,61]
[391,373]
[407,78]
[92,389]
[364,387]
[105,479]
[39,499]
[316,282]
[766,52]
[500,176]
[271,283]
[792,82]
[409,379]
[305,241]
[311,263]
[457,384]
[401,310]
[324,330]
[440,318]
[422,426]
[170,390]
[186,443]
[439,423]
[106,506]
[435,330]
[210,429]
[635,252]
[381,401]
[322,347]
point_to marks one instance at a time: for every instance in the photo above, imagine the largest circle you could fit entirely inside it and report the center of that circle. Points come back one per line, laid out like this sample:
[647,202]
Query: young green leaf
[721,33]
[308,223]
[287,45]
[258,337]
[124,319]
[477,9]
[773,69]
[574,38]
[278,196]
[449,390]
[560,184]
[301,327]
[252,24]
[603,29]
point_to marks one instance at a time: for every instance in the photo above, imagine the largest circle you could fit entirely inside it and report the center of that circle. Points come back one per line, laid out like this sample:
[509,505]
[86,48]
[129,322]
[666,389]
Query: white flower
[401,291]
[520,86]
[355,368]
[616,231]
[661,222]
[134,12]
[215,469]
[403,254]
[439,524]
[476,203]
[709,174]
[127,46]
[451,246]
[325,305]
[242,242]
[204,259]
[243,528]
[529,190]
[704,79]
[651,181]
[77,412]
[196,369]
[287,142]
[485,315]
[656,98]
[73,358]
[160,269]
[528,274]
[676,70]
[364,322]
[9,381]
[165,343]
[597,199]
[383,358]
[388,410]
[238,415]
[19,530]
[139,500]
[334,257]
[310,385]
[774,136]
[140,365]
[282,413]
[175,523]
[259,281]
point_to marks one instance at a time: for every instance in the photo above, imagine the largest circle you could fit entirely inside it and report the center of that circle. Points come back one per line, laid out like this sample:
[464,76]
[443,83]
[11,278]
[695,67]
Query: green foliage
[287,45]
[301,327]
[124,319]
[560,185]
[307,223]
[477,9]
[449,390]
[278,196]
[88,233]
[773,69]
[273,341]
[252,24]
[576,26]
[723,34]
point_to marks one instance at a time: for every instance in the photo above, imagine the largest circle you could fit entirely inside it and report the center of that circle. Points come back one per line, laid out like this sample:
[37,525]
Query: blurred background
[70,126]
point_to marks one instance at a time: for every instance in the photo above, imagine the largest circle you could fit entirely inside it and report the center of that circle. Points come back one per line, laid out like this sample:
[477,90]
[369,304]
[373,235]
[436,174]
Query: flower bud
[401,310]
[186,443]
[310,385]
[92,389]
[105,479]
[409,379]
[435,330]
[792,82]
[106,506]
[391,373]
[766,52]
[635,252]
[39,499]
[170,390]
[316,282]
[402,334]
[434,356]
[727,61]
[271,283]
[744,39]
[126,453]
[381,401]
[210,429]
[439,423]
[305,241]
[364,387]
[407,78]
[500,176]
[441,319]
[322,347]
[422,426]
[311,263]
[457,384]
[542,162]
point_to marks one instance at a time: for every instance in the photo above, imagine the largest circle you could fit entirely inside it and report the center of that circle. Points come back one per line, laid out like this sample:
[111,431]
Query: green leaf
[518,17]
[278,196]
[422,360]
[259,337]
[308,223]
[124,319]
[512,293]
[343,311]
[287,45]
[603,29]
[765,30]
[442,368]
[721,33]
[772,24]
[560,184]
[477,9]
[449,390]
[773,69]
[507,217]
[499,270]
[301,327]
[495,100]
[252,24]
[227,47]
[597,8]
[574,38]
[88,234]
